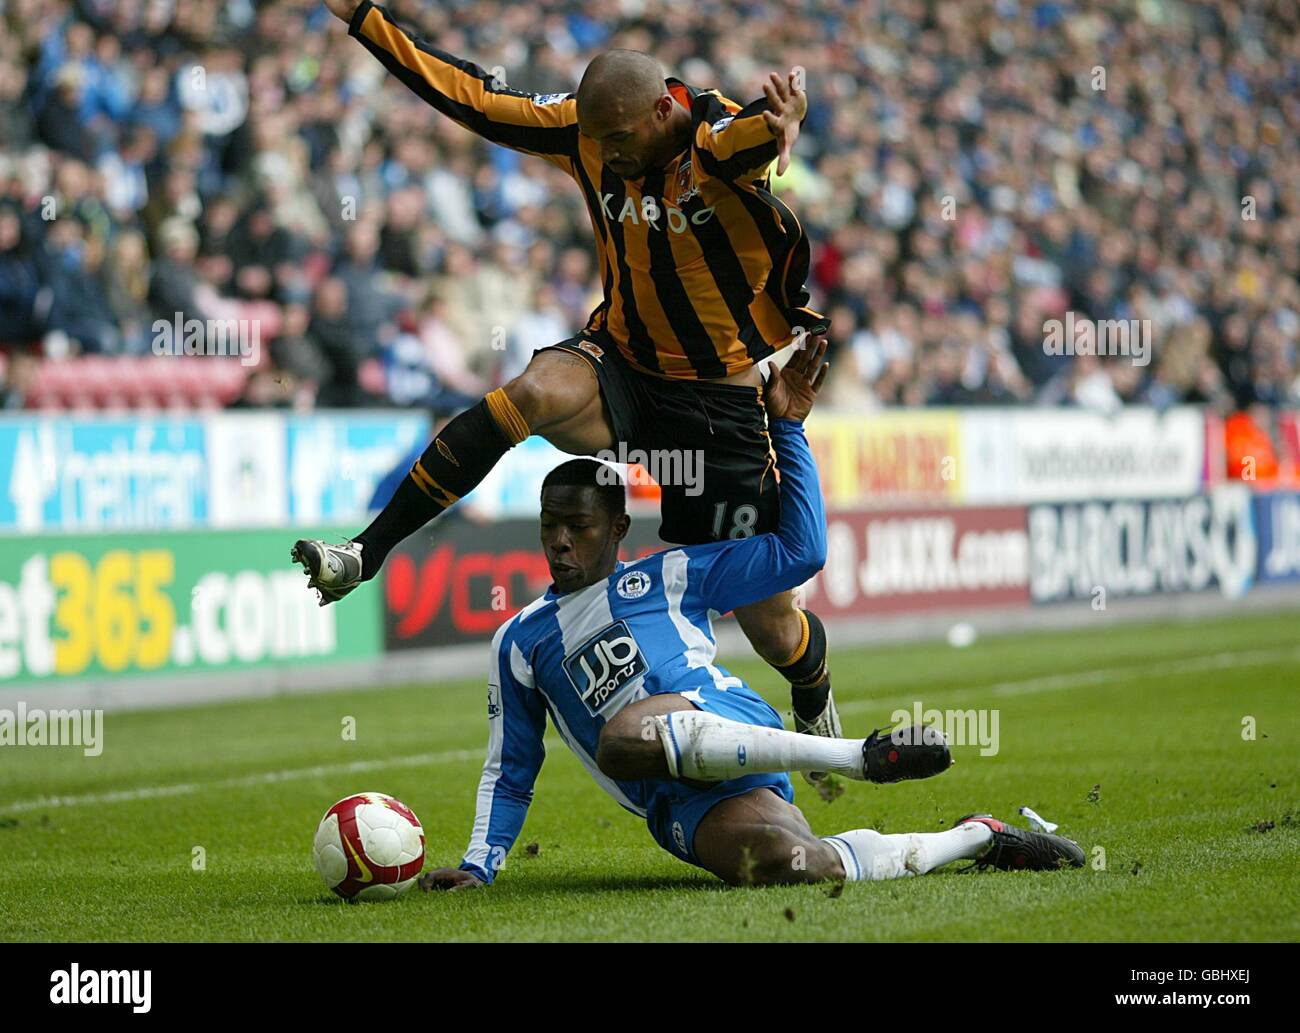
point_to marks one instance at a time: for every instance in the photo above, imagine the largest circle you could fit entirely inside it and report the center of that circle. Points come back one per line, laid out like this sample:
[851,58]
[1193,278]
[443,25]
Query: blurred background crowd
[968,170]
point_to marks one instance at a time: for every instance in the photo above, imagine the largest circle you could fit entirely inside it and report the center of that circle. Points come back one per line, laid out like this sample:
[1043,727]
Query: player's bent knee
[763,855]
[772,626]
[530,394]
[620,759]
[770,855]
[552,390]
[621,752]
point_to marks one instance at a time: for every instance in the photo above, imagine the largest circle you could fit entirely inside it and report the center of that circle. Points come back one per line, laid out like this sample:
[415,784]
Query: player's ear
[620,527]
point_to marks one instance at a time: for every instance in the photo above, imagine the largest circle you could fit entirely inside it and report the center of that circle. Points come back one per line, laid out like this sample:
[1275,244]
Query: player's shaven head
[621,105]
[588,473]
[619,82]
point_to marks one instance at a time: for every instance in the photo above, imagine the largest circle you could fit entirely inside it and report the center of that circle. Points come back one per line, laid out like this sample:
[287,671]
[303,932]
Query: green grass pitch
[1129,737]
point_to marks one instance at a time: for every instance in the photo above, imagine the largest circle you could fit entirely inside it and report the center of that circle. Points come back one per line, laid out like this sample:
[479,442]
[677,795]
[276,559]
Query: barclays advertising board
[1277,523]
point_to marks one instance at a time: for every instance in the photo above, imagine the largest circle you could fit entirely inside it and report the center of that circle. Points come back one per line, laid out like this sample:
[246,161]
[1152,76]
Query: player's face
[579,537]
[626,142]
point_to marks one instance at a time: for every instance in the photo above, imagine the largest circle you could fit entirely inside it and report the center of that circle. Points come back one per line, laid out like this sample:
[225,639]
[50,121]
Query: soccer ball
[369,847]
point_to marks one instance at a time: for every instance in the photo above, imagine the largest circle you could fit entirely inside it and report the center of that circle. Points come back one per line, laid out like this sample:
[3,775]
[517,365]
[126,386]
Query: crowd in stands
[968,171]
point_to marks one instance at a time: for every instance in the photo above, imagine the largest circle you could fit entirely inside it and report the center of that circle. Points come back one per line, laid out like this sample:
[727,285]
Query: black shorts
[705,443]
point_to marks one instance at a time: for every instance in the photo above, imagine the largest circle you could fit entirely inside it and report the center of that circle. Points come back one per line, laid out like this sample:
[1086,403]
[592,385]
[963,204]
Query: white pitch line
[1098,676]
[1212,662]
[1072,680]
[242,782]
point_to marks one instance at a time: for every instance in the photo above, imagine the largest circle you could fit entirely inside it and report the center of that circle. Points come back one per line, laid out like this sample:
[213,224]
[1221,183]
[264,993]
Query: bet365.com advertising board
[151,545]
[97,606]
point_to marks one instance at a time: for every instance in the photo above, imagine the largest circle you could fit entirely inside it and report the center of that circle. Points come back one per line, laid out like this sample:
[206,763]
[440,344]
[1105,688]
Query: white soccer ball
[369,846]
[961,635]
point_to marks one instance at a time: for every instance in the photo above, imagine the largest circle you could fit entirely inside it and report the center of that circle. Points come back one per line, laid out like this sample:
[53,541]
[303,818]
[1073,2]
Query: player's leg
[735,816]
[696,737]
[793,641]
[735,496]
[628,748]
[558,396]
[760,838]
[708,747]
[866,854]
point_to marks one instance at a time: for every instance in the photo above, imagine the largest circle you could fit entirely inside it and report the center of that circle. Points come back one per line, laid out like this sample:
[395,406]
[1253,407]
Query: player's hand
[788,106]
[449,879]
[344,9]
[792,391]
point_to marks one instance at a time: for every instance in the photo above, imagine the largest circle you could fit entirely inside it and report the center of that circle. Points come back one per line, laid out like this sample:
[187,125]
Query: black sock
[809,678]
[460,456]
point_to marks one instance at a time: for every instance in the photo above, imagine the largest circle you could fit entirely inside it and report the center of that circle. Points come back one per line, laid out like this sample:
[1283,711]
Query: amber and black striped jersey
[703,267]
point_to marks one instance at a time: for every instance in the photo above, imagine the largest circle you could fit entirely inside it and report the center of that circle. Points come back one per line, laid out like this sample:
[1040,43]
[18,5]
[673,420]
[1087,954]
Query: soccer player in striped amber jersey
[703,272]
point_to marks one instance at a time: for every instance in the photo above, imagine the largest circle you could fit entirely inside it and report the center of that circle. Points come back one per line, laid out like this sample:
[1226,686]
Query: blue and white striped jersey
[646,629]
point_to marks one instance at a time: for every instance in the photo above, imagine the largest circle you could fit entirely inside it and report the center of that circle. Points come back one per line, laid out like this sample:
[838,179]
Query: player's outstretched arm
[516,725]
[740,145]
[469,95]
[735,573]
[788,107]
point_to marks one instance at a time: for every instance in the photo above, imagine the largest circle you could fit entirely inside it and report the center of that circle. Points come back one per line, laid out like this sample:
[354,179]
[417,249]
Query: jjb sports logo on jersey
[604,664]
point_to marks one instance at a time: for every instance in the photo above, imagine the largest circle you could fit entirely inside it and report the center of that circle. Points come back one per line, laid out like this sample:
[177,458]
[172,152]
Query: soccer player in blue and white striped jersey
[621,656]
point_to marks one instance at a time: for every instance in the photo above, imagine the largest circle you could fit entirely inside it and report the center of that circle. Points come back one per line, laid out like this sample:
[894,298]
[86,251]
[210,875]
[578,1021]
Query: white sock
[868,855]
[714,749]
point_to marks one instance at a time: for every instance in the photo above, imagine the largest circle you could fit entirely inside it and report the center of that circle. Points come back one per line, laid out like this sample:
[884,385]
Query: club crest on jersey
[685,183]
[720,125]
[633,585]
[604,664]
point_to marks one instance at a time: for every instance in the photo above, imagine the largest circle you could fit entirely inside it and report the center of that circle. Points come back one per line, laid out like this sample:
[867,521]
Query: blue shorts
[675,810]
